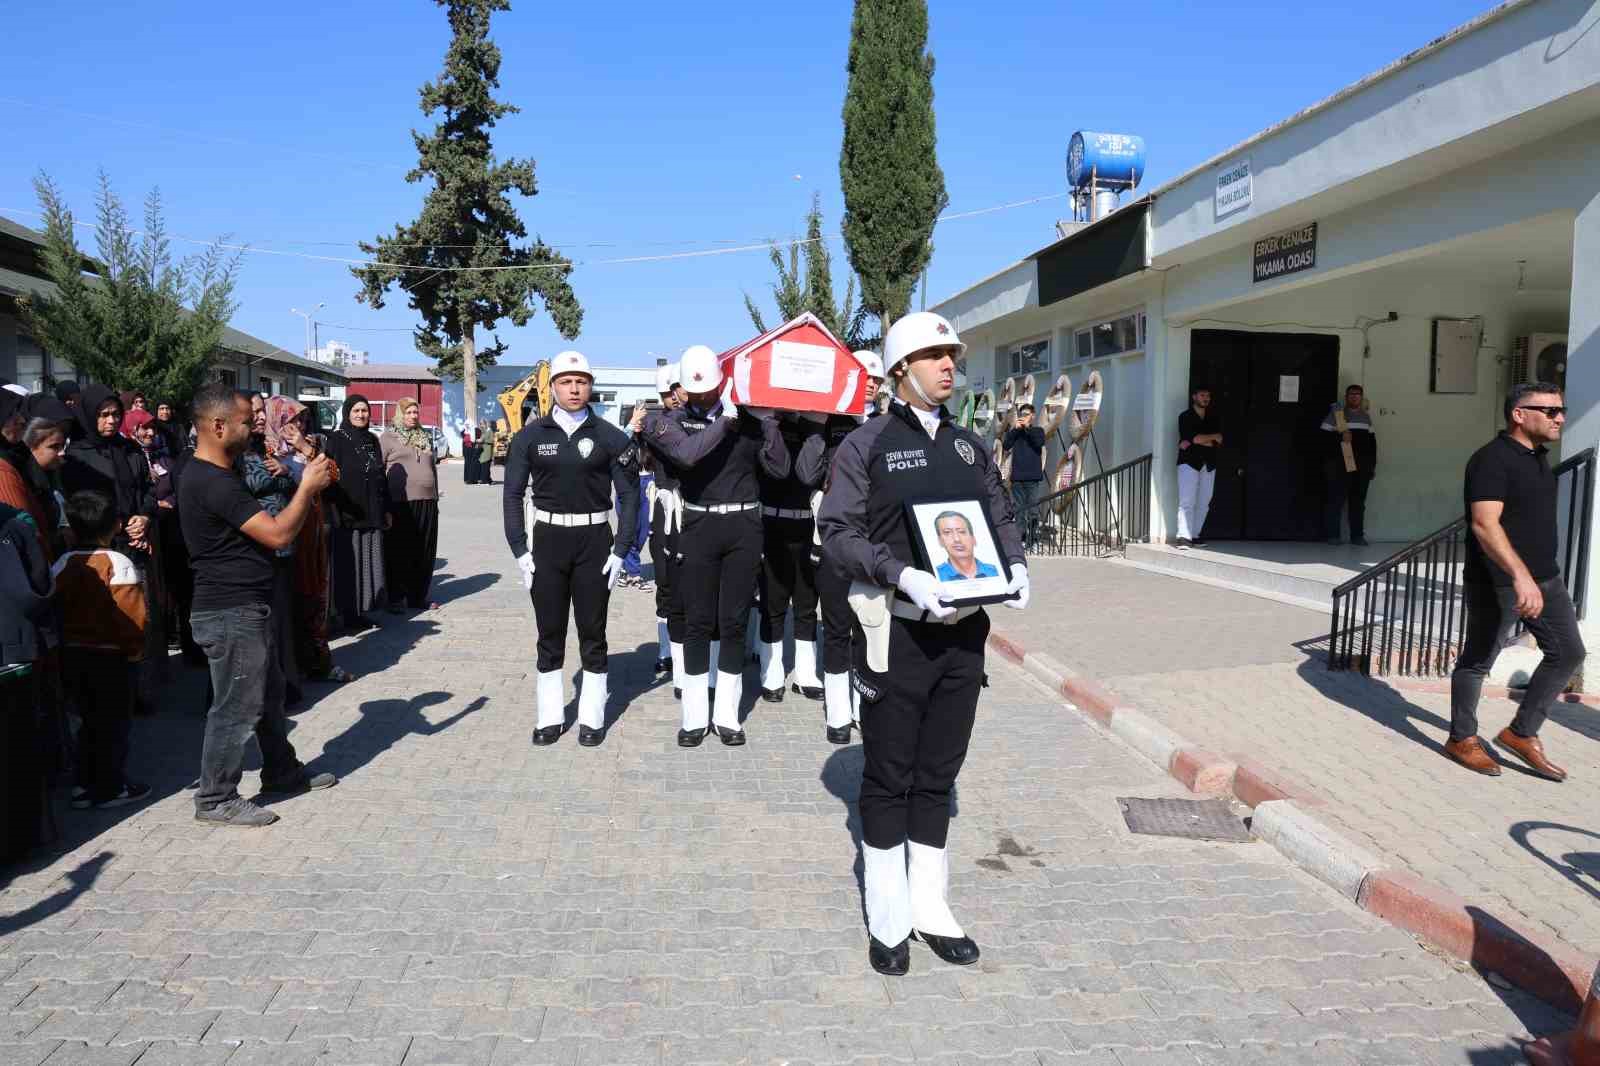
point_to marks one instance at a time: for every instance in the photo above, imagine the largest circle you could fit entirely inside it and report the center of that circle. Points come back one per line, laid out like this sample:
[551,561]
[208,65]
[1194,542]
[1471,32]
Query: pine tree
[893,187]
[816,294]
[133,318]
[450,261]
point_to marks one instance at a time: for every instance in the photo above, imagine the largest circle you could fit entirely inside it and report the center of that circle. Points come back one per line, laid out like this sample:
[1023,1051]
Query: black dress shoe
[677,693]
[663,666]
[956,950]
[731,738]
[548,735]
[690,738]
[892,962]
[839,735]
[808,691]
[591,738]
[772,695]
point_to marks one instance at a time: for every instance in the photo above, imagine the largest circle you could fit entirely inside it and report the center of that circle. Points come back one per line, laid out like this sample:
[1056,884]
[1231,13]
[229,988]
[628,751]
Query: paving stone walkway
[1242,675]
[462,897]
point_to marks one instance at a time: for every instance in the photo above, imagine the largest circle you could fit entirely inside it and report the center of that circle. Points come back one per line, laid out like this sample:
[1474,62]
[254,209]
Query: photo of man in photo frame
[959,541]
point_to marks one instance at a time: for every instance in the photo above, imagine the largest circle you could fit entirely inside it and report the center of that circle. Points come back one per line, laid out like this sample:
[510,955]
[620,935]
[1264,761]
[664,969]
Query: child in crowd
[103,618]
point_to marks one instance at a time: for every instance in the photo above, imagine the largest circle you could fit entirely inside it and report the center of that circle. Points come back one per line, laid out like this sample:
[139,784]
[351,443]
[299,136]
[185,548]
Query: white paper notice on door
[802,367]
[1288,388]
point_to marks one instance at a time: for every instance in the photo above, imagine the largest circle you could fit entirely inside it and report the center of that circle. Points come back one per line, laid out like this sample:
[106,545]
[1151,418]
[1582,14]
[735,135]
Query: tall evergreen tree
[893,187]
[133,318]
[815,294]
[451,261]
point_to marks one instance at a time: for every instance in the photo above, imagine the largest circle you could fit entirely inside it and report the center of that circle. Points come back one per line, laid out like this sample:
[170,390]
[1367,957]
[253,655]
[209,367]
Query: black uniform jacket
[716,458]
[575,475]
[889,462]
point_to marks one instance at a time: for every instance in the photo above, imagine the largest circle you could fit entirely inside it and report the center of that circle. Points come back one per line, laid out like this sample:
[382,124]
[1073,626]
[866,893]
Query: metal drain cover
[1209,819]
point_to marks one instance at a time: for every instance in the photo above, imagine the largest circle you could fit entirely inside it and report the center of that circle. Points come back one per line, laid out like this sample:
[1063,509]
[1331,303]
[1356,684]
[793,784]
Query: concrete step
[1303,575]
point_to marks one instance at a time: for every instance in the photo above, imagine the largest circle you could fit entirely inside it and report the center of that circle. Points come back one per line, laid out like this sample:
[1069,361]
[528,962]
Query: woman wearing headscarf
[485,456]
[413,477]
[360,513]
[469,456]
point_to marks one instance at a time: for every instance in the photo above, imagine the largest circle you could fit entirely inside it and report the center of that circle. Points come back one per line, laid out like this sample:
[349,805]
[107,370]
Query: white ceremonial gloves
[923,590]
[612,571]
[1019,584]
[729,409]
[525,564]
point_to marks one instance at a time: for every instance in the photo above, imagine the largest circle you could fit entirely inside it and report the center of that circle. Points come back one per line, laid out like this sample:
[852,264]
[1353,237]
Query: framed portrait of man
[955,542]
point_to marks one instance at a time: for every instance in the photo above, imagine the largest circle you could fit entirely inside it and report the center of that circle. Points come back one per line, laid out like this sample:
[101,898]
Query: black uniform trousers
[833,590]
[721,559]
[568,562]
[664,549]
[916,722]
[787,576]
[1346,490]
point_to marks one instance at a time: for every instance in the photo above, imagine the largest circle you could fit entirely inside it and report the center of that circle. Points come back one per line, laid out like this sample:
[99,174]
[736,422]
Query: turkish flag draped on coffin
[799,366]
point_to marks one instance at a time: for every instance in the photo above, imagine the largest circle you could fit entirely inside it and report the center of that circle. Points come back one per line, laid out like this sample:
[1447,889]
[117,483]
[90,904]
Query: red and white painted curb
[1534,961]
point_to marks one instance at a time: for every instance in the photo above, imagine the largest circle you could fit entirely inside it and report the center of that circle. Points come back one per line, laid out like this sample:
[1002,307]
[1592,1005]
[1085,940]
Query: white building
[1450,204]
[338,353]
[616,390]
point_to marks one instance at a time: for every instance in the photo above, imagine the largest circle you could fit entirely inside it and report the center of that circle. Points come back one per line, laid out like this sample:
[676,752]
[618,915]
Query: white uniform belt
[550,518]
[901,609]
[723,508]
[784,512]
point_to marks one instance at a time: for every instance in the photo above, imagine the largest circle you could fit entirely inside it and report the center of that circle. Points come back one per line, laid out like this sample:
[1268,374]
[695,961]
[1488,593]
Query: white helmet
[699,370]
[916,332]
[570,363]
[664,376]
[870,360]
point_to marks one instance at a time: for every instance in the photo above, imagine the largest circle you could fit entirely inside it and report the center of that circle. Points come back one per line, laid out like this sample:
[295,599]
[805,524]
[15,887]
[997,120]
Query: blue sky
[657,128]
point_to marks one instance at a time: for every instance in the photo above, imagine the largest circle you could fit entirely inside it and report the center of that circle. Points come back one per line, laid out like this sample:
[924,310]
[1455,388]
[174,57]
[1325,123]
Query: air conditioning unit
[1540,357]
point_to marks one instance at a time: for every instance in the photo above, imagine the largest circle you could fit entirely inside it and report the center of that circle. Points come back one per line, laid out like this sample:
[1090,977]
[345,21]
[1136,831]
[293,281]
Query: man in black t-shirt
[1199,437]
[1025,443]
[1512,574]
[231,541]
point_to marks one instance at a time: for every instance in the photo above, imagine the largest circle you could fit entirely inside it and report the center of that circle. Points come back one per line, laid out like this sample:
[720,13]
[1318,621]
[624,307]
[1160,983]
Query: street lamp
[307,316]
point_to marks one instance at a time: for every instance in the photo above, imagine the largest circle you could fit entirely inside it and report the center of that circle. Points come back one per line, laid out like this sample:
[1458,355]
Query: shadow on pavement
[841,776]
[1581,868]
[448,587]
[80,881]
[1499,949]
[382,725]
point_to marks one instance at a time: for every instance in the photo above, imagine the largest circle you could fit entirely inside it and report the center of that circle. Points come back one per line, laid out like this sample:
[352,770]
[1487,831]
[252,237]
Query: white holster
[527,517]
[816,509]
[871,606]
[671,501]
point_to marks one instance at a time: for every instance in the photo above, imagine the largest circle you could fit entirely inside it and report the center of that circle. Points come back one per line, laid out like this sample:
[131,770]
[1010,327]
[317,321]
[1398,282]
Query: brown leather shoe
[1530,751]
[1471,754]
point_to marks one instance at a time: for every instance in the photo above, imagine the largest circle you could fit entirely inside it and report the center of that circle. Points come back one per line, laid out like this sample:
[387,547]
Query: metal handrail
[1407,614]
[1097,516]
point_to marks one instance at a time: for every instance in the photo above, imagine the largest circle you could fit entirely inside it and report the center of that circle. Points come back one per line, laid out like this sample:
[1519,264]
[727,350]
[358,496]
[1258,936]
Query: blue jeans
[241,646]
[630,562]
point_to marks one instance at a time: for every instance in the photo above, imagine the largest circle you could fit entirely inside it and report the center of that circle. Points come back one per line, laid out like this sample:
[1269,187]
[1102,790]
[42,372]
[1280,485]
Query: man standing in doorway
[1199,437]
[1025,442]
[1512,574]
[1345,484]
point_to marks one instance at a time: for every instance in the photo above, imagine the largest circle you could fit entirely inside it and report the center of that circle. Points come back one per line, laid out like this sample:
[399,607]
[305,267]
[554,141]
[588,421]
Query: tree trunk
[469,375]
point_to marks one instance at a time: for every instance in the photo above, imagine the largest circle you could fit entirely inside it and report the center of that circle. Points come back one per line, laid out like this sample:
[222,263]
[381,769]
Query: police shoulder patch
[966,451]
[628,455]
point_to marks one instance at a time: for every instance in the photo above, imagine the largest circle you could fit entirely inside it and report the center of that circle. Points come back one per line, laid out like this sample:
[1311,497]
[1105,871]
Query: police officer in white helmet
[919,661]
[721,538]
[814,465]
[666,522]
[575,462]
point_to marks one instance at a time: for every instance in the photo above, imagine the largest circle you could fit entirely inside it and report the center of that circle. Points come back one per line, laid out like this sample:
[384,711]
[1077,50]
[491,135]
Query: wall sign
[1288,252]
[1288,388]
[1234,187]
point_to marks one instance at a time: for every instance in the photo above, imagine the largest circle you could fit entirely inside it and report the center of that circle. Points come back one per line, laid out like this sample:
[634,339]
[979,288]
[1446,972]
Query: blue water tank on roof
[1112,158]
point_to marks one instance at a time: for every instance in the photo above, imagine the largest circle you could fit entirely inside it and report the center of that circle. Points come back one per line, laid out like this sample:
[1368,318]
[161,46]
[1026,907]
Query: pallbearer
[721,538]
[666,522]
[576,463]
[788,575]
[814,465]
[918,660]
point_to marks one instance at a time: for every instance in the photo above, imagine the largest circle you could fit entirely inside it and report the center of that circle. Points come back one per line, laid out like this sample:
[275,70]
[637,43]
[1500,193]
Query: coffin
[799,366]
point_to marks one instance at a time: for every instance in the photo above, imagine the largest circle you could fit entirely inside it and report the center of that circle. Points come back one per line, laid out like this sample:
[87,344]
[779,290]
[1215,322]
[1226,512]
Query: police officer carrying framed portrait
[918,652]
[574,462]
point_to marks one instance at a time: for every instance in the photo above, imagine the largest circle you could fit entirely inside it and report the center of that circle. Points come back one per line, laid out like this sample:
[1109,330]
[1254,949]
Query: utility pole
[308,316]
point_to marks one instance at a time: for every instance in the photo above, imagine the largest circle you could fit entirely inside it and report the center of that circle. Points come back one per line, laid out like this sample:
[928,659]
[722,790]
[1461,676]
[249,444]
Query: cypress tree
[468,220]
[893,187]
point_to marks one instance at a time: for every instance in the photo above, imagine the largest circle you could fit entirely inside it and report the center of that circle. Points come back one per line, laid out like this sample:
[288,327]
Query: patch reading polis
[964,450]
[548,449]
[585,446]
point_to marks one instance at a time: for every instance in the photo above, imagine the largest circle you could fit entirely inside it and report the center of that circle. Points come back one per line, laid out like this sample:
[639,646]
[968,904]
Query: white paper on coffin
[801,367]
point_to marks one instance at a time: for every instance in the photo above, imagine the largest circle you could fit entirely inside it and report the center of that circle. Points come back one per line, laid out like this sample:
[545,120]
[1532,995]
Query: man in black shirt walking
[1025,443]
[1512,574]
[231,541]
[1199,437]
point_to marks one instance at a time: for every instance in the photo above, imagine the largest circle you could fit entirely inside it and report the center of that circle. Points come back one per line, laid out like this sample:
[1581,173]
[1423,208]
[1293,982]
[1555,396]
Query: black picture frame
[920,517]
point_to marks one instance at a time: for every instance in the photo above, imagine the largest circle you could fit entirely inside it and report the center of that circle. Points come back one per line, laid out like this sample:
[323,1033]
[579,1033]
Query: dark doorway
[1269,475]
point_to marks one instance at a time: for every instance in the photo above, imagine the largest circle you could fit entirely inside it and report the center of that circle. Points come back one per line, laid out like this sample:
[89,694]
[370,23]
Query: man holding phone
[1512,574]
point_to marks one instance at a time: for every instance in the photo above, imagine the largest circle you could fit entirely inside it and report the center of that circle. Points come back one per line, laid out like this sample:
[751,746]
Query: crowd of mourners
[96,586]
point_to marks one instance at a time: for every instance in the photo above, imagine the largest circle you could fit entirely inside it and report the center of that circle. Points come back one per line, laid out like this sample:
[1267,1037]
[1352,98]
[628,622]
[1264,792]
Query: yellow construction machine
[531,395]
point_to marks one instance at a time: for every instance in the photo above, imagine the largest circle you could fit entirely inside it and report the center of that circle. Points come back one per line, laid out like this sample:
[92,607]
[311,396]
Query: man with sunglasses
[1512,574]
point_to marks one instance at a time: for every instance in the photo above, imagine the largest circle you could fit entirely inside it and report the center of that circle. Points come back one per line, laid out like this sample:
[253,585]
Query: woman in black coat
[360,499]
